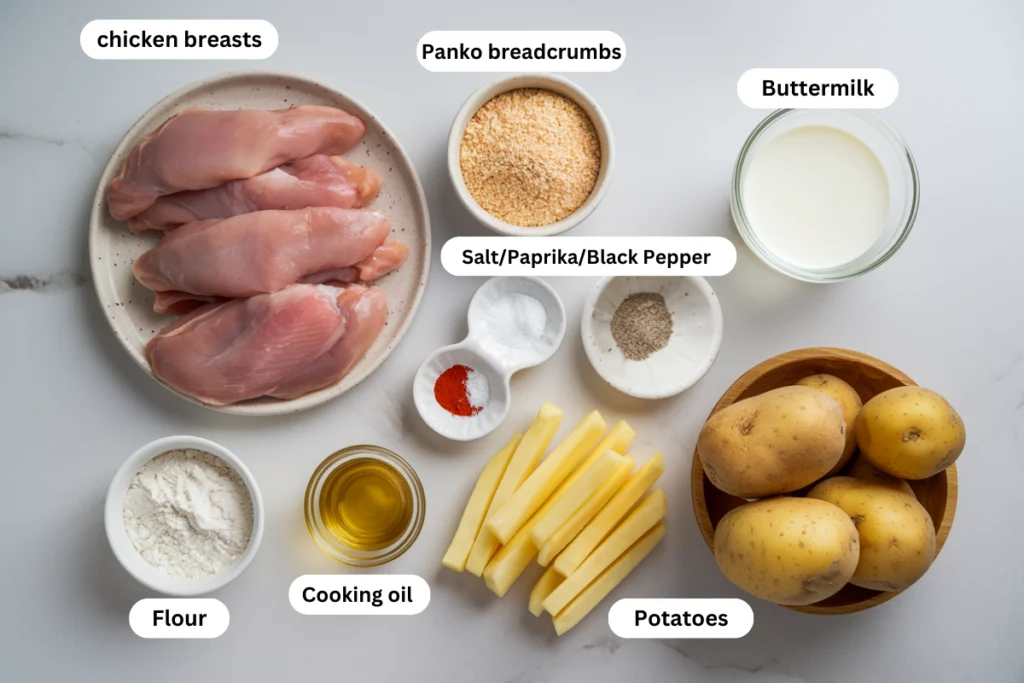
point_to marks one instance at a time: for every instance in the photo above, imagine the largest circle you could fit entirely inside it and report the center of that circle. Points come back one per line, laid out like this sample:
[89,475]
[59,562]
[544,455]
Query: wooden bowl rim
[698,479]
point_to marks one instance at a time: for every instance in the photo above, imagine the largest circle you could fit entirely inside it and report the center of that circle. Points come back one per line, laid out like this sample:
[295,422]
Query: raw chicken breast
[202,148]
[260,252]
[384,259]
[299,339]
[319,180]
[365,310]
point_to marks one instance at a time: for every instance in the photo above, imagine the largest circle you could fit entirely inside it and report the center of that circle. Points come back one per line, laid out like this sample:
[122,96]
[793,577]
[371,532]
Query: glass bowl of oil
[364,506]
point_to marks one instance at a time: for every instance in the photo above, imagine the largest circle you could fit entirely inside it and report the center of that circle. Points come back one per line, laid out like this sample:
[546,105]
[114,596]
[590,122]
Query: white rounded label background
[488,51]
[587,256]
[751,88]
[180,30]
[655,618]
[359,594]
[156,618]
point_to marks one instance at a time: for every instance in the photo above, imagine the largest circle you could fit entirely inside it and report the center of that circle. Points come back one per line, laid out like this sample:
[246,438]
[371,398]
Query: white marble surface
[947,310]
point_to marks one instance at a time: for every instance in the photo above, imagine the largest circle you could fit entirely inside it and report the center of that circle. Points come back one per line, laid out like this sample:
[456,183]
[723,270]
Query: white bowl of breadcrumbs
[530,154]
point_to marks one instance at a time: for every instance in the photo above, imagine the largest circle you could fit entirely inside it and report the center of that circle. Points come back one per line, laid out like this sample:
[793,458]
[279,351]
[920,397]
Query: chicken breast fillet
[284,344]
[319,180]
[260,252]
[203,148]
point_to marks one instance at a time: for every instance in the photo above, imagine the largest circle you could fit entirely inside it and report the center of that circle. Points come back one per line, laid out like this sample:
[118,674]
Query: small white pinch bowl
[485,353]
[556,84]
[133,562]
[690,352]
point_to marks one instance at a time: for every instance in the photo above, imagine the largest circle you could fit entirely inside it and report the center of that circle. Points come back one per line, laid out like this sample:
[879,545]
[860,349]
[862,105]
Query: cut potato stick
[610,515]
[514,557]
[638,523]
[617,439]
[591,478]
[586,601]
[510,562]
[538,487]
[582,517]
[524,461]
[548,582]
[476,508]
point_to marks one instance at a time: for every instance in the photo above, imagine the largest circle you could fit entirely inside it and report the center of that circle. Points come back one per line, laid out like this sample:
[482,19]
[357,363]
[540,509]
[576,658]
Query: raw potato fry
[582,517]
[590,480]
[476,508]
[606,583]
[514,557]
[509,563]
[547,583]
[536,440]
[638,523]
[617,439]
[609,516]
[539,486]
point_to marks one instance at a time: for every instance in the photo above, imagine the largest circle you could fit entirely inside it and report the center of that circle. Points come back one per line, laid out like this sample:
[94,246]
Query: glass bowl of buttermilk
[364,506]
[824,195]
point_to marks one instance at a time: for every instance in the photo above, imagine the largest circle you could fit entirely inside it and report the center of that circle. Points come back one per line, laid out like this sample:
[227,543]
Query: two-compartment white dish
[483,351]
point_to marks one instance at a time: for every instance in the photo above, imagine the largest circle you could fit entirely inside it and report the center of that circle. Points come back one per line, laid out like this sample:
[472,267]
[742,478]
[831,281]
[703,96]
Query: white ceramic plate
[128,306]
[690,352]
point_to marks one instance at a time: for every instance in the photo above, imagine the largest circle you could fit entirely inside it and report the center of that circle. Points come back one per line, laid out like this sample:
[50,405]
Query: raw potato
[610,515]
[777,442]
[897,537]
[849,400]
[865,471]
[910,432]
[591,479]
[572,527]
[790,551]
[514,557]
[606,583]
[640,521]
[524,461]
[476,508]
[548,582]
[538,487]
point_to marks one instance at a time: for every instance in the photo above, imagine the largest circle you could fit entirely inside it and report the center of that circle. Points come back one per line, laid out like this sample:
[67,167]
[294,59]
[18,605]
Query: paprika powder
[462,391]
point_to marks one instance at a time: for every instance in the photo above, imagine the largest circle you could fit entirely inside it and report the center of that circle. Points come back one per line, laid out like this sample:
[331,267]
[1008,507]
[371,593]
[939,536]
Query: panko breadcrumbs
[530,157]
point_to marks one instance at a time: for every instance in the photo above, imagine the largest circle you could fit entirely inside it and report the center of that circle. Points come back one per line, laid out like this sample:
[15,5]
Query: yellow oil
[366,504]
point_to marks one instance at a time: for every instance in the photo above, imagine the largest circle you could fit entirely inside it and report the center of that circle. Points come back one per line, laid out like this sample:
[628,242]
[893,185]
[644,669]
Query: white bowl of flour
[184,516]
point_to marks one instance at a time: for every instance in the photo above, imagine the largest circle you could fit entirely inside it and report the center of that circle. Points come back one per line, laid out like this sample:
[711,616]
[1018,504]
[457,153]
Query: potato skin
[774,443]
[849,400]
[897,536]
[790,551]
[910,432]
[865,471]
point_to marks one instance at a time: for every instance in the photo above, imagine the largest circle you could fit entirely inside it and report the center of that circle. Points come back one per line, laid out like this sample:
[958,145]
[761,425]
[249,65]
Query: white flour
[188,513]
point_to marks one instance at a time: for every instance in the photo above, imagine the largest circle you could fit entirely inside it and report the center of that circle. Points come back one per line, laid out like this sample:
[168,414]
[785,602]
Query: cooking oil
[366,504]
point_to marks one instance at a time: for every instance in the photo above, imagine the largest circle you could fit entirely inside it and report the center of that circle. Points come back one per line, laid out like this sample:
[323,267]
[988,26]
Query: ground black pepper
[641,325]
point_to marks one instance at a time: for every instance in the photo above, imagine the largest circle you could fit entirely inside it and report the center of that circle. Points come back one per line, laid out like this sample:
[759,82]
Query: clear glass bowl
[892,152]
[342,552]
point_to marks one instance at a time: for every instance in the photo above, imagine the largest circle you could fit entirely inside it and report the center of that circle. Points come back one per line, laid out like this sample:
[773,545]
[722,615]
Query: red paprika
[450,392]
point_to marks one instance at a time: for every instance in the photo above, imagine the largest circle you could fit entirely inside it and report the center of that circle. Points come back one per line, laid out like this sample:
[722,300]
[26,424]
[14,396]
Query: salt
[517,320]
[478,389]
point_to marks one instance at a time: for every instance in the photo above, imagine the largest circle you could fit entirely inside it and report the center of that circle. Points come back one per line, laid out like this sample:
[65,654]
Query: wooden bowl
[869,376]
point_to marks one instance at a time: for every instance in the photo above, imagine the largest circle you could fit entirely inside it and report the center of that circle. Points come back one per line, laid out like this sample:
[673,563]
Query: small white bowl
[483,352]
[145,573]
[690,352]
[556,84]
